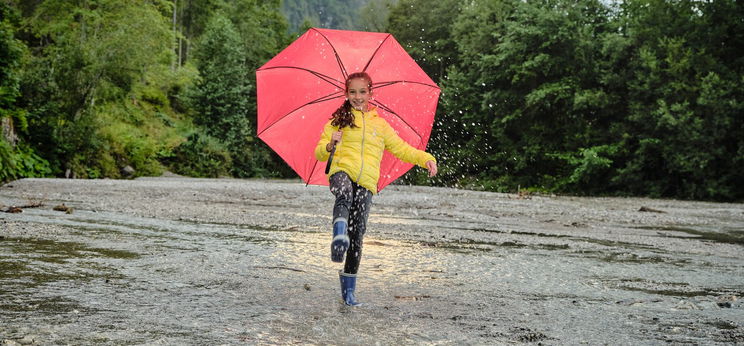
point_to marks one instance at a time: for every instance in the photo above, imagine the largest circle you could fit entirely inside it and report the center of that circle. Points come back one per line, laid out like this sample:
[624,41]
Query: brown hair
[343,117]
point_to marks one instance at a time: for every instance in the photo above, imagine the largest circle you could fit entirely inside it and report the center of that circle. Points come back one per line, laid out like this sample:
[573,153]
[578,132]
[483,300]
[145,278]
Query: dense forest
[639,97]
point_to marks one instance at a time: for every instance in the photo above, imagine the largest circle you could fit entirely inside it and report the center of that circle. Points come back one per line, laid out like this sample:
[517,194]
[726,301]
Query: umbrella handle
[330,159]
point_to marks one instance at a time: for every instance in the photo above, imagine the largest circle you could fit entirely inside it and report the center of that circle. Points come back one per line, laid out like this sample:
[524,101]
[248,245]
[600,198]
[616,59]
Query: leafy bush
[7,162]
[200,156]
[21,162]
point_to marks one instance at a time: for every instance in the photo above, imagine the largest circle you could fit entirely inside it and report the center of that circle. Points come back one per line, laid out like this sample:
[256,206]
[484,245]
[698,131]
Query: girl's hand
[335,138]
[432,166]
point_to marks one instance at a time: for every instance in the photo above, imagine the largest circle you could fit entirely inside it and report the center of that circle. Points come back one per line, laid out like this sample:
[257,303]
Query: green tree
[573,96]
[263,30]
[17,159]
[12,52]
[683,134]
[89,56]
[223,99]
[240,37]
[332,14]
[530,96]
[375,15]
[424,29]
[101,89]
[262,33]
[220,97]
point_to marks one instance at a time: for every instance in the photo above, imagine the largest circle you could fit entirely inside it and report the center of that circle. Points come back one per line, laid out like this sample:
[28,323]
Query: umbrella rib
[312,171]
[324,98]
[387,109]
[338,58]
[375,53]
[318,100]
[389,83]
[328,79]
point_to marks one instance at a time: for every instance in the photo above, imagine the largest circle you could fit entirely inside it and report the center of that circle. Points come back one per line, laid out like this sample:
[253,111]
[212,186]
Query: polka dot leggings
[352,203]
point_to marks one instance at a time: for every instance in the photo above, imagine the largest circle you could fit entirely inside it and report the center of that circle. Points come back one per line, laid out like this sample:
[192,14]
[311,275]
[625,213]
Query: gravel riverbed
[173,260]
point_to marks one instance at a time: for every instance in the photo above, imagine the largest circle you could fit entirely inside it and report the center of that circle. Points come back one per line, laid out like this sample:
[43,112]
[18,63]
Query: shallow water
[195,261]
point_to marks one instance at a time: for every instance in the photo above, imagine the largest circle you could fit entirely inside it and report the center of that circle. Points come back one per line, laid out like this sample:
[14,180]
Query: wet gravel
[173,260]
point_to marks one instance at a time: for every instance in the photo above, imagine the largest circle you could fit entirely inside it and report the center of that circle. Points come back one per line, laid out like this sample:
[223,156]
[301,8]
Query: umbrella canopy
[300,87]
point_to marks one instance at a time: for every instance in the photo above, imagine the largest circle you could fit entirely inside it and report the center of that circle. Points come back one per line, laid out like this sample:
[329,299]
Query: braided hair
[343,117]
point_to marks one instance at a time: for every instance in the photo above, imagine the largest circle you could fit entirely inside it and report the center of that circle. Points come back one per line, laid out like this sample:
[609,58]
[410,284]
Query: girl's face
[359,93]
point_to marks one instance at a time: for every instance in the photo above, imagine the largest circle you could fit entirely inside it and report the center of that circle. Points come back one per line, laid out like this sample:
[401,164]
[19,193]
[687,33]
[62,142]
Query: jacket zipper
[364,131]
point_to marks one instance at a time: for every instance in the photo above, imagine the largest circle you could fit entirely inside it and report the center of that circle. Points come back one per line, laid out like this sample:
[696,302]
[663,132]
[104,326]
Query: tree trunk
[175,34]
[8,132]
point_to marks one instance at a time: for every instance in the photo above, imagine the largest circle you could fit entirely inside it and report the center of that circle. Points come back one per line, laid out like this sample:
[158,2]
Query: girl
[359,137]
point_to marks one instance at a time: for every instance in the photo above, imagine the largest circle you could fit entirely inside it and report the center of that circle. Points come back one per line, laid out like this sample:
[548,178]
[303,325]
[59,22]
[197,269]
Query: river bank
[223,261]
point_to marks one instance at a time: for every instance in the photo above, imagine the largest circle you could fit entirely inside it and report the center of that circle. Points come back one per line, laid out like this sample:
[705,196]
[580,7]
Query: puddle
[626,257]
[728,237]
[484,230]
[39,254]
[487,246]
[672,293]
[727,325]
[671,289]
[615,243]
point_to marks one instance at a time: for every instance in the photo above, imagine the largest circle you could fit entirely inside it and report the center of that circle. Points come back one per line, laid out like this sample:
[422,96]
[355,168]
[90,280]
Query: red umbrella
[300,87]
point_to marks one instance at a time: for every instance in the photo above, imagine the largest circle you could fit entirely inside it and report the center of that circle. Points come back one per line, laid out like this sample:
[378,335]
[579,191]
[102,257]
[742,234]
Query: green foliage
[16,159]
[262,29]
[12,52]
[591,169]
[201,156]
[577,97]
[374,16]
[90,55]
[640,97]
[224,98]
[194,15]
[260,23]
[684,102]
[220,97]
[20,161]
[333,14]
[7,162]
[424,28]
[101,89]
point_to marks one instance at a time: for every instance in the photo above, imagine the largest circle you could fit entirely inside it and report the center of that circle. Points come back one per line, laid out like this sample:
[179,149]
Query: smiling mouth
[357,104]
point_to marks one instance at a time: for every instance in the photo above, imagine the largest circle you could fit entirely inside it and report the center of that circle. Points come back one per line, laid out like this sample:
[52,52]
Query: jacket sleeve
[320,149]
[404,151]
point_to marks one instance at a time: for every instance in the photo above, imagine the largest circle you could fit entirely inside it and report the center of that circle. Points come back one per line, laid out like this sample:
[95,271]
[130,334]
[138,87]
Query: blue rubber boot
[348,285]
[340,242]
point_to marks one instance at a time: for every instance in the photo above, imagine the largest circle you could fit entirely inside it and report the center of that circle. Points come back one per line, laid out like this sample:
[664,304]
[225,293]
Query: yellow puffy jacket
[360,151]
